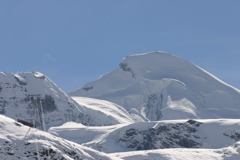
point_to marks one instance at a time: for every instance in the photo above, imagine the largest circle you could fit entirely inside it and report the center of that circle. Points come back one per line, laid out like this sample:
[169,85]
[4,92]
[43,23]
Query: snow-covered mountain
[152,103]
[21,142]
[17,101]
[160,86]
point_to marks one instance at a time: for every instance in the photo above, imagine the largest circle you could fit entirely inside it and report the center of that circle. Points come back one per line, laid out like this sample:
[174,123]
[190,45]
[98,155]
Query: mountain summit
[159,85]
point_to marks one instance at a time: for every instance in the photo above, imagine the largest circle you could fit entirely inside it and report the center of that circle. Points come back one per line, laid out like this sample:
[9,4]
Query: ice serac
[17,101]
[159,85]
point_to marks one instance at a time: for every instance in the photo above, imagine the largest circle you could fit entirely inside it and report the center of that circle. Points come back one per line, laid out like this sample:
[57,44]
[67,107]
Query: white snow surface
[106,112]
[228,153]
[158,85]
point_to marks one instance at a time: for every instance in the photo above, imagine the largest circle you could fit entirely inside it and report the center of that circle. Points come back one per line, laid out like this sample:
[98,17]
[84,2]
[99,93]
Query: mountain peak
[156,65]
[150,53]
[163,86]
[153,54]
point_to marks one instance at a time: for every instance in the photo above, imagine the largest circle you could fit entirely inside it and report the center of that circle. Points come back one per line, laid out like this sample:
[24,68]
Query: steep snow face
[158,85]
[106,112]
[21,142]
[57,107]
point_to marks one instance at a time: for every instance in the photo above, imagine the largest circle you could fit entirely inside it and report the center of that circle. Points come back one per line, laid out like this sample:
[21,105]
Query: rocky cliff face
[179,135]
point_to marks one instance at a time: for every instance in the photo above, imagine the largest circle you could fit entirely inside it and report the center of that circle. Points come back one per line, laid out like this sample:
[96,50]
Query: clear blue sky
[75,41]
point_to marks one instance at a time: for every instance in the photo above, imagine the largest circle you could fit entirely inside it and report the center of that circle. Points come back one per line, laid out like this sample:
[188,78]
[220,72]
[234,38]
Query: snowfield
[229,153]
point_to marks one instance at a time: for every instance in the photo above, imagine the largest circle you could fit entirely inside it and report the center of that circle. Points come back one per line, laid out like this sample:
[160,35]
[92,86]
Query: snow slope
[228,153]
[81,134]
[16,102]
[158,85]
[106,112]
[21,142]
